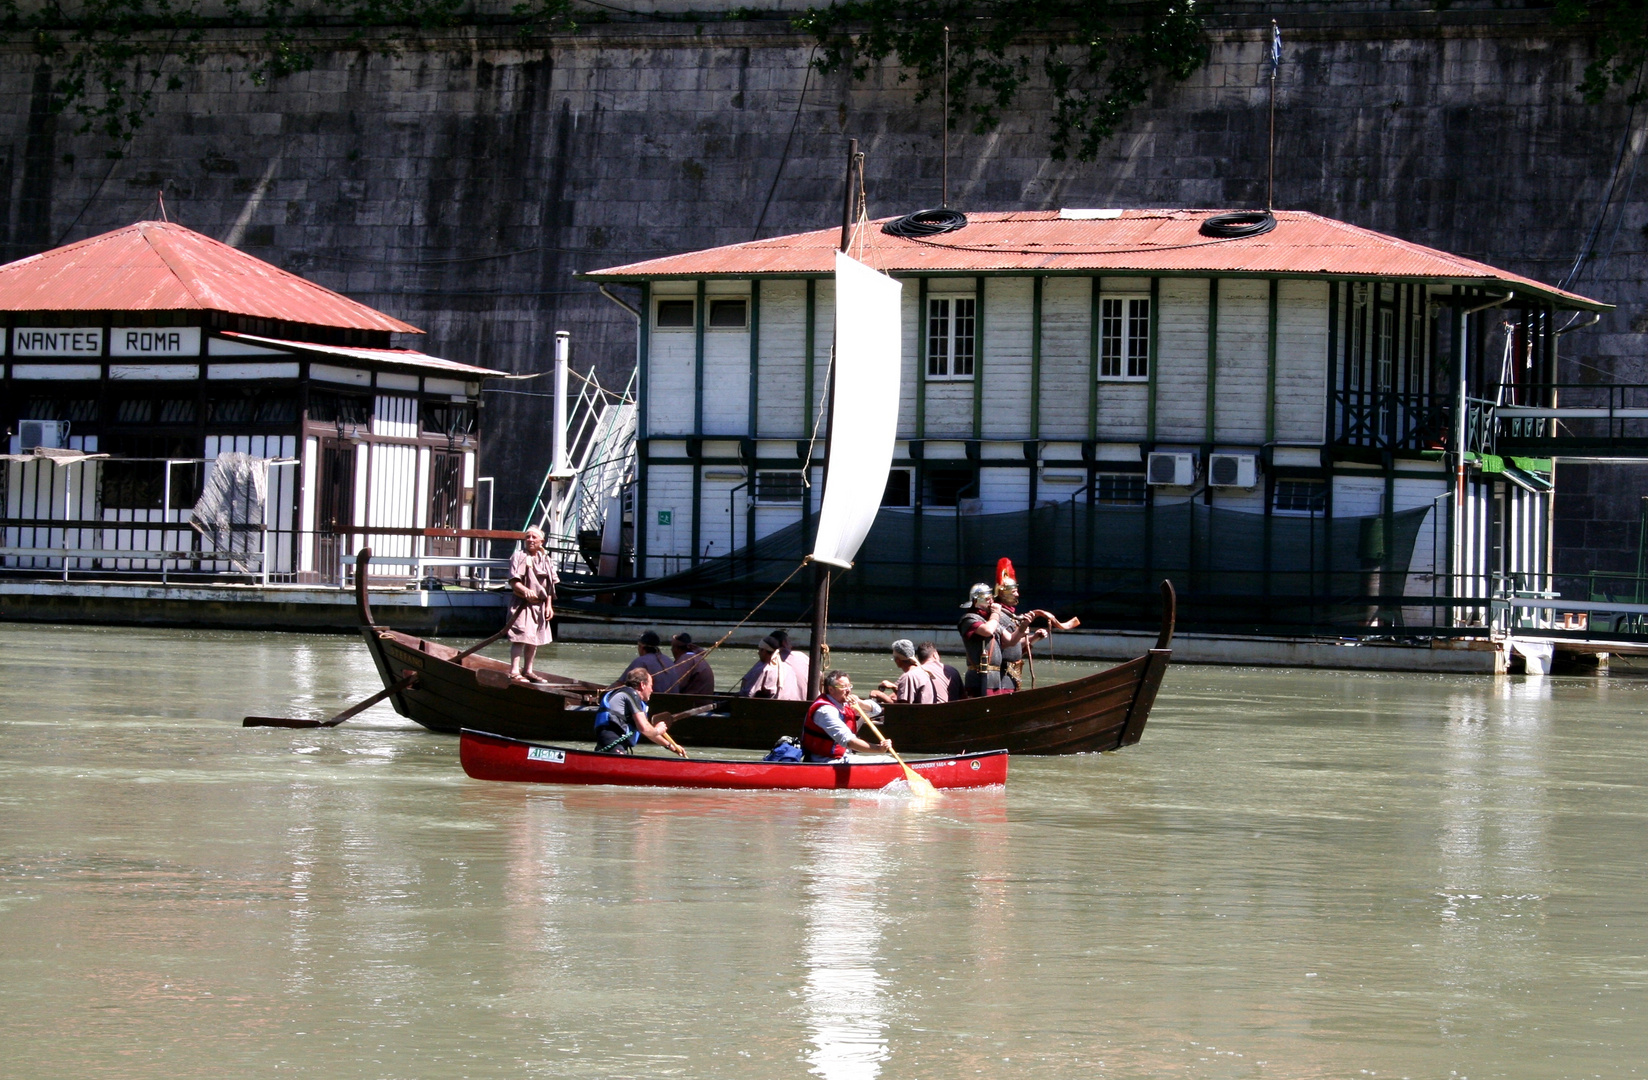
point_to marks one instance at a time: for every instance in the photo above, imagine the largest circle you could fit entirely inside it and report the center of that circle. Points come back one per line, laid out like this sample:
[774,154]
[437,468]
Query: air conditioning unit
[1170,470]
[1231,470]
[52,434]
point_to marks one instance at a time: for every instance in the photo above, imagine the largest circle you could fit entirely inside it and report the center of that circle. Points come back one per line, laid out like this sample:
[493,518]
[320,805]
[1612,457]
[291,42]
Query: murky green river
[1294,875]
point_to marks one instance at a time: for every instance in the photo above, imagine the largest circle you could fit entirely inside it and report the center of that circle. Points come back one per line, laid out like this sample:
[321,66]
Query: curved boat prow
[1170,615]
[362,560]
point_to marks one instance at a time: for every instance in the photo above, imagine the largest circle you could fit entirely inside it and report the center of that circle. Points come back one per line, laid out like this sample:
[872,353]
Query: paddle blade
[920,786]
[279,721]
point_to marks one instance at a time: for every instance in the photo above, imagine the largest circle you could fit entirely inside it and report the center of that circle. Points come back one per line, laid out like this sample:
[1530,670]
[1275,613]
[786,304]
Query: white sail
[865,408]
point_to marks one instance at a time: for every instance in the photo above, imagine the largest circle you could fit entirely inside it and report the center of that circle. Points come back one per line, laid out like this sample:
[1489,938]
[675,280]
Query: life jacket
[606,721]
[815,741]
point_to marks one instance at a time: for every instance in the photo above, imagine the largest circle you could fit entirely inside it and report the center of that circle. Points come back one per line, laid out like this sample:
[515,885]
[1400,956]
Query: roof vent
[1238,224]
[1067,214]
[926,223]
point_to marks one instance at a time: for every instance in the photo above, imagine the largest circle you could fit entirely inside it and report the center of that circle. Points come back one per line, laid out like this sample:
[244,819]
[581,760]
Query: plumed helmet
[1006,577]
[978,592]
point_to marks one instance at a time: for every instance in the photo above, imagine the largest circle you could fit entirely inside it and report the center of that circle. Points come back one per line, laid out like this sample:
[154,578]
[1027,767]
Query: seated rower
[691,670]
[622,717]
[831,726]
[647,656]
[915,685]
[947,684]
[771,677]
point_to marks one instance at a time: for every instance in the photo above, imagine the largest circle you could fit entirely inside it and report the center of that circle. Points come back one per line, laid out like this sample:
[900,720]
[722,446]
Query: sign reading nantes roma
[88,341]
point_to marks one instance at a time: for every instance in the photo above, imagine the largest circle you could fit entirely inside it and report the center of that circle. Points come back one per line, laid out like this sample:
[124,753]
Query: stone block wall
[460,185]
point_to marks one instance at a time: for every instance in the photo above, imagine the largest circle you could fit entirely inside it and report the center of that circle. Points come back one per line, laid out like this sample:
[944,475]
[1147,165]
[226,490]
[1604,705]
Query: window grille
[1124,338]
[951,323]
[1300,497]
[779,487]
[1119,489]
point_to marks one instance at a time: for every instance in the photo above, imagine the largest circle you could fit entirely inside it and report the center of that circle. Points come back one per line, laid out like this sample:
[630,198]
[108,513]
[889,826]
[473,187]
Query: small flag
[1275,48]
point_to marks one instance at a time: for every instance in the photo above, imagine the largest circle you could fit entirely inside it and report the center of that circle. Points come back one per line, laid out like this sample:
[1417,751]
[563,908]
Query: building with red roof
[1282,412]
[154,344]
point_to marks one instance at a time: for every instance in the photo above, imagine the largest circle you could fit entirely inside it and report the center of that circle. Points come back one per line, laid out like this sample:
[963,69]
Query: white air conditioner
[1170,470]
[52,434]
[1231,470]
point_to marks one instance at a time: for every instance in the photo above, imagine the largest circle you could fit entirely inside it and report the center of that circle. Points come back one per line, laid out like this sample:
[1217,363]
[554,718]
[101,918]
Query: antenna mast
[944,122]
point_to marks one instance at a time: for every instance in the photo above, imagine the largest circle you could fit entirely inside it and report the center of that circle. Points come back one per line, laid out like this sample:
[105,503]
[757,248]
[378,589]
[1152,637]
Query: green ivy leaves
[1099,57]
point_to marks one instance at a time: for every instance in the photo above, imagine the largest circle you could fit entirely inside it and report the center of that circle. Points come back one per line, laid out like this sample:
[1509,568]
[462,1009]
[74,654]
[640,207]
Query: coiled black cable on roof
[1238,224]
[926,223]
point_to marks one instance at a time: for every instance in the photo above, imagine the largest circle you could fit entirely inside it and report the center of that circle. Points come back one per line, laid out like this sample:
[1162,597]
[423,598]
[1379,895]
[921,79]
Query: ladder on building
[581,503]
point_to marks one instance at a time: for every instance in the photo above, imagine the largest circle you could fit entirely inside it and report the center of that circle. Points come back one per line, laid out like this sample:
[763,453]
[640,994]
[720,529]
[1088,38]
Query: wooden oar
[405,682]
[920,786]
[479,645]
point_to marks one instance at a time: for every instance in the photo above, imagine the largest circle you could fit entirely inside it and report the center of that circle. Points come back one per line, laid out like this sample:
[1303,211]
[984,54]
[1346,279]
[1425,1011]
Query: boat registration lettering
[544,753]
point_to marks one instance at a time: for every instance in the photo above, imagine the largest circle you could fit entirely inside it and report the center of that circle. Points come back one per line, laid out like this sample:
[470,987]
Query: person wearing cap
[647,656]
[915,683]
[947,681]
[797,660]
[689,674]
[771,677]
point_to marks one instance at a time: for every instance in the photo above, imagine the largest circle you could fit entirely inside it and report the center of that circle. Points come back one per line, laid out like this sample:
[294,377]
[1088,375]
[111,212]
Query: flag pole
[1275,63]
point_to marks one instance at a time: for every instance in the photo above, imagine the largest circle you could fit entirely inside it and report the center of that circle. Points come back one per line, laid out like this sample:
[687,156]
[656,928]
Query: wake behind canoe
[494,757]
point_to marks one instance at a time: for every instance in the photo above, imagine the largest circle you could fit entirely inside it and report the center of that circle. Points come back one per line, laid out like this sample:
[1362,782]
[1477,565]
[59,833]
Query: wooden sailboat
[1103,711]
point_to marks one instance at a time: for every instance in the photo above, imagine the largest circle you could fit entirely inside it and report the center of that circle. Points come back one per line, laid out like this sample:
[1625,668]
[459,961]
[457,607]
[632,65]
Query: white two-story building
[1295,424]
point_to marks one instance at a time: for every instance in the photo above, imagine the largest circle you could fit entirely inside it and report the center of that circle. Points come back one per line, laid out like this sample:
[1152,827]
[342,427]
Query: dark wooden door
[445,506]
[334,506]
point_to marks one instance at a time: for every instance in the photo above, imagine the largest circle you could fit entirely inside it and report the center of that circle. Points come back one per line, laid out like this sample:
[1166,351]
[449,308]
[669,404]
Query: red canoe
[493,757]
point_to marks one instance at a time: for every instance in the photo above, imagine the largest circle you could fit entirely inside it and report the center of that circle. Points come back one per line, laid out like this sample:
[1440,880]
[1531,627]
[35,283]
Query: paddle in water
[407,680]
[920,786]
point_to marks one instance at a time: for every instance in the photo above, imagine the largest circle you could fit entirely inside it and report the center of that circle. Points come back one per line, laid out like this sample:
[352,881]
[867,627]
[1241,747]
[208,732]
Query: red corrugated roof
[161,266]
[1132,241]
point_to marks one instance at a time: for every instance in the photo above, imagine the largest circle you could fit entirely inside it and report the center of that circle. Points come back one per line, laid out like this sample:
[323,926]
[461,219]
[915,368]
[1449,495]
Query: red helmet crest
[1006,576]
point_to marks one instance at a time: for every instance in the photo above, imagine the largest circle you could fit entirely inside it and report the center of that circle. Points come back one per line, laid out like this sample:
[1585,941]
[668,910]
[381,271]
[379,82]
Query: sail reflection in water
[845,999]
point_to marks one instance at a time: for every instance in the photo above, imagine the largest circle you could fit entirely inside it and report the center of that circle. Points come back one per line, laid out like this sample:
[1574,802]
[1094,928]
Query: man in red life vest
[831,726]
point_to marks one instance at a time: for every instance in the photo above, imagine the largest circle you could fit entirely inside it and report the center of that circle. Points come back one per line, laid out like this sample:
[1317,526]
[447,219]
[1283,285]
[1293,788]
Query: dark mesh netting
[1233,570]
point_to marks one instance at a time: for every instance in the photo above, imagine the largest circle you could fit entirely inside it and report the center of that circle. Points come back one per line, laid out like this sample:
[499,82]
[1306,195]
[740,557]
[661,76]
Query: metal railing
[1391,420]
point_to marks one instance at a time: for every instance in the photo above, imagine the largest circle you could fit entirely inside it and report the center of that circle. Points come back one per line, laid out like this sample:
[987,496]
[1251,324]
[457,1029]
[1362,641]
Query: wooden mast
[821,574]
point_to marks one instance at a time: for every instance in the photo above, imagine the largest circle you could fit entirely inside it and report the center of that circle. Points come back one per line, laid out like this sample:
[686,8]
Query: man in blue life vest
[622,718]
[831,726]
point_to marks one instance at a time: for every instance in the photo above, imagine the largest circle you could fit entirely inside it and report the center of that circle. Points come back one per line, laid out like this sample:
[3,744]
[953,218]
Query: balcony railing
[1391,420]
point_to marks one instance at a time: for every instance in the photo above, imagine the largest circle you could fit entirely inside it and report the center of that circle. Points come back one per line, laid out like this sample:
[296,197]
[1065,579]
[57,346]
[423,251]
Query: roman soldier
[1014,636]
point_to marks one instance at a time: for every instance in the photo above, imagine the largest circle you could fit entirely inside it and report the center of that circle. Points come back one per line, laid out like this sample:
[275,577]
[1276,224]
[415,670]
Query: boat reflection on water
[845,998]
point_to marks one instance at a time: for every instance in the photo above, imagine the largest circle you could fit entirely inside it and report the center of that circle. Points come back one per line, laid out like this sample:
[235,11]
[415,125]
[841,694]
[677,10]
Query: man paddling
[622,718]
[831,726]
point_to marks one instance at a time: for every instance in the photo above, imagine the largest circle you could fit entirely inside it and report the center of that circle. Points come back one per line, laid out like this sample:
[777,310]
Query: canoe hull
[493,757]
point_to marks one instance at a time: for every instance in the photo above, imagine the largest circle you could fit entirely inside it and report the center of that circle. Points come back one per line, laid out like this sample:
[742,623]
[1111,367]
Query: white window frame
[657,301]
[709,308]
[1124,337]
[910,486]
[941,368]
[1276,491]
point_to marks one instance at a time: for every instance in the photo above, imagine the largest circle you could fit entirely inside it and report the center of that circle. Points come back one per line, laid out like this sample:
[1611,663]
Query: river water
[1295,874]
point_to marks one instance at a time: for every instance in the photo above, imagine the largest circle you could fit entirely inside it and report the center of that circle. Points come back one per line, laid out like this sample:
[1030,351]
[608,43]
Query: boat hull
[493,757]
[1106,710]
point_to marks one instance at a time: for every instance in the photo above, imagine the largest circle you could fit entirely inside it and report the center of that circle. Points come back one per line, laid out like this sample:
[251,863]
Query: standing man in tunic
[532,579]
